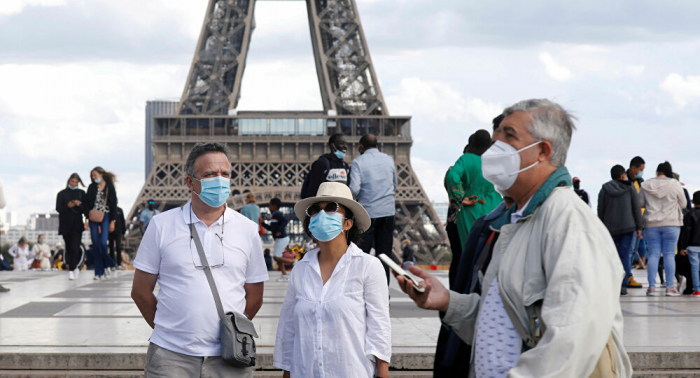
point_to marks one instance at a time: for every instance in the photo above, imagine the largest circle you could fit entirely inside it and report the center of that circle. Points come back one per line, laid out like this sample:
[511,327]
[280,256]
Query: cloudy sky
[75,76]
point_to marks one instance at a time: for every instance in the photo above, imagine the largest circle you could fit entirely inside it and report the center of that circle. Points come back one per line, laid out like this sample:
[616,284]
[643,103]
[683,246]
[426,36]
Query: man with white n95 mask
[546,308]
[186,325]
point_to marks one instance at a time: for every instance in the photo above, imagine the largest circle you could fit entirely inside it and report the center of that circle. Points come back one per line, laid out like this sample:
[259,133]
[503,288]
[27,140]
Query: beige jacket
[563,255]
[663,199]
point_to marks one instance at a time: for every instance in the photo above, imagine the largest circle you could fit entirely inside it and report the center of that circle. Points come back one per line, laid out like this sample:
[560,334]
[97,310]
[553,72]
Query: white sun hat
[339,193]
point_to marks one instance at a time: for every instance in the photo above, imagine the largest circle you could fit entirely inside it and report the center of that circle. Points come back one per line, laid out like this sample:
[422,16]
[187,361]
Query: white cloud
[73,111]
[431,175]
[634,70]
[682,89]
[439,101]
[8,7]
[554,69]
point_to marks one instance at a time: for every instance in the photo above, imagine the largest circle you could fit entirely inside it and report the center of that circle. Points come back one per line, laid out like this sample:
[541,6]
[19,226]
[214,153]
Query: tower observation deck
[271,152]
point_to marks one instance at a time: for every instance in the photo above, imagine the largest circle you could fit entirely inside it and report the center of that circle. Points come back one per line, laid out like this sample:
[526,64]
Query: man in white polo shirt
[185,340]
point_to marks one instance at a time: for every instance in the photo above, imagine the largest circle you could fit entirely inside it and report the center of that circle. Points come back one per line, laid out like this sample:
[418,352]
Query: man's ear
[545,151]
[190,183]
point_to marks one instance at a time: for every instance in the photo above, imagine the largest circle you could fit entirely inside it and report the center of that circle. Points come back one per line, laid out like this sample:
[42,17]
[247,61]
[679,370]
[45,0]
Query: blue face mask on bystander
[639,175]
[215,190]
[326,227]
[339,154]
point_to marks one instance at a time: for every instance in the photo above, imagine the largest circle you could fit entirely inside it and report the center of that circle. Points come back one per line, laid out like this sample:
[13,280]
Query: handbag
[237,331]
[98,216]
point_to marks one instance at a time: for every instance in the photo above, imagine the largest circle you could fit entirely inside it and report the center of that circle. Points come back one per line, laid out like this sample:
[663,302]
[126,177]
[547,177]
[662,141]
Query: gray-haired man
[185,340]
[546,307]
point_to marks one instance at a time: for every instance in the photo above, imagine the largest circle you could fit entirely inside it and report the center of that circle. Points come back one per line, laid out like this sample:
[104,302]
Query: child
[690,242]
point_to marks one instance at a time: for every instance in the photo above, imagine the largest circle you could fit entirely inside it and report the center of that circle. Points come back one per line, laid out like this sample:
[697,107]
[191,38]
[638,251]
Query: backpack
[305,185]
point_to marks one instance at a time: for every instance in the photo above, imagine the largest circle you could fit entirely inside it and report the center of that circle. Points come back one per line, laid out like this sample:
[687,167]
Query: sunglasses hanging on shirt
[221,240]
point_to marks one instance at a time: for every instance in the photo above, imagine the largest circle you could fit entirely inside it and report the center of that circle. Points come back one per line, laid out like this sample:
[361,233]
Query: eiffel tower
[271,152]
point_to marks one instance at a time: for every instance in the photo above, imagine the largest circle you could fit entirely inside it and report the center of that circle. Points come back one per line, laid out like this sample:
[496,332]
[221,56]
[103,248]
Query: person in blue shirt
[278,228]
[147,214]
[373,184]
[251,210]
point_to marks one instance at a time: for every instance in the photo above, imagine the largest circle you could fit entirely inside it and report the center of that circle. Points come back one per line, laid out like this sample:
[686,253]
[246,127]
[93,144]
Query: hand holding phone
[396,268]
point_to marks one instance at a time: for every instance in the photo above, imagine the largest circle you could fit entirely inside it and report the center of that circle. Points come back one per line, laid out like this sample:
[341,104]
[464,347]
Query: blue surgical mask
[215,190]
[339,154]
[639,175]
[98,180]
[326,227]
[73,187]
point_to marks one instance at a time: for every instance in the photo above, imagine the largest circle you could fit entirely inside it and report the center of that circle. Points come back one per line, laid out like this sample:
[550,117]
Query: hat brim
[362,219]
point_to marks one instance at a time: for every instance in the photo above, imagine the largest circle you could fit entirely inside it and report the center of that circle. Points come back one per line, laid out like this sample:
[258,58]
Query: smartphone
[396,268]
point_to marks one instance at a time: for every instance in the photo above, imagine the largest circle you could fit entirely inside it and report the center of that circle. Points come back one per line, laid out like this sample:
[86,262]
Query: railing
[282,125]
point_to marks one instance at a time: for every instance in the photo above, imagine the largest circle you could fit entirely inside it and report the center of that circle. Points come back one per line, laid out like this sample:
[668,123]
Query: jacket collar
[497,212]
[560,177]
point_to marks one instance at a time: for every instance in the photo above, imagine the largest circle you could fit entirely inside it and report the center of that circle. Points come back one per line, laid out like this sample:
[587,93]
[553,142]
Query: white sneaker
[71,276]
[77,272]
[96,278]
[283,279]
[107,272]
[682,283]
[105,277]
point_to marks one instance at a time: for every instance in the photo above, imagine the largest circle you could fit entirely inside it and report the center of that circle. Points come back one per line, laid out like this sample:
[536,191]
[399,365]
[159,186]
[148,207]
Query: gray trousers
[163,363]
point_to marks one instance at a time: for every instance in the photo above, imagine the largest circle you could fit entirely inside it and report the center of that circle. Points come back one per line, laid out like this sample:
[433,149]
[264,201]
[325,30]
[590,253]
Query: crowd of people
[533,284]
[646,219]
[96,211]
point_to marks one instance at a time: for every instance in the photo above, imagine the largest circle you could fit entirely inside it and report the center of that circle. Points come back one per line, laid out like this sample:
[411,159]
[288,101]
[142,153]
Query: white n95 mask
[500,164]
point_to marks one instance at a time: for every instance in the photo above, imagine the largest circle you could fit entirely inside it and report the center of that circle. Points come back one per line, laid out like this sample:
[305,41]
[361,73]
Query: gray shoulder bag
[237,331]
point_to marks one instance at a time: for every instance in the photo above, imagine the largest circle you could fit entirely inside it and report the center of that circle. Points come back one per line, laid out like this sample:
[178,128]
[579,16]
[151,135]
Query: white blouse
[21,255]
[338,329]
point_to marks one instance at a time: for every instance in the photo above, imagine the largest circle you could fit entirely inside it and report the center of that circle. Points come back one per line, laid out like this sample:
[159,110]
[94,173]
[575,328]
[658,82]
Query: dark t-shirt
[278,223]
[327,168]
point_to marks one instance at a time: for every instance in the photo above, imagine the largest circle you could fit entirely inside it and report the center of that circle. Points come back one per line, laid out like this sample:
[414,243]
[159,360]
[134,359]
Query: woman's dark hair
[665,169]
[22,240]
[74,176]
[354,235]
[109,177]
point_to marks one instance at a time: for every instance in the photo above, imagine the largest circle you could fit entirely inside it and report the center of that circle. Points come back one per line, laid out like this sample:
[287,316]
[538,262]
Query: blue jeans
[640,246]
[100,235]
[662,240]
[622,243]
[694,258]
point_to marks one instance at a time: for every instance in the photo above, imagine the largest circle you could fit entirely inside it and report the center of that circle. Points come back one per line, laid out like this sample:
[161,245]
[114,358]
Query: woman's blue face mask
[326,226]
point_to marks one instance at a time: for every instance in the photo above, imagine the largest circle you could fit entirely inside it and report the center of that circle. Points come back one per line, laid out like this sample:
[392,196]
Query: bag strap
[529,341]
[207,271]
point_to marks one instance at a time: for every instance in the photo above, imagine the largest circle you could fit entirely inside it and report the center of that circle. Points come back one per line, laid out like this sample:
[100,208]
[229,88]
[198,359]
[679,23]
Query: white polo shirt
[186,318]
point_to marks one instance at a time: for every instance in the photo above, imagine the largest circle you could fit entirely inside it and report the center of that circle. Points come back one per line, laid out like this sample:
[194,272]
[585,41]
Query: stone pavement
[48,322]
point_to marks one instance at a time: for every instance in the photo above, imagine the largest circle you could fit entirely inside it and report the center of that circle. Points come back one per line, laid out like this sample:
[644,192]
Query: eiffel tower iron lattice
[271,152]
